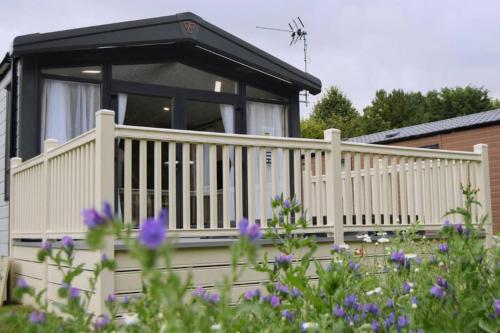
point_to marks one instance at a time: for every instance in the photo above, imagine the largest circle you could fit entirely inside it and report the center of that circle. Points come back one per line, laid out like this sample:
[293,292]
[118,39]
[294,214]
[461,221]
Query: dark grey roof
[435,127]
[4,66]
[183,27]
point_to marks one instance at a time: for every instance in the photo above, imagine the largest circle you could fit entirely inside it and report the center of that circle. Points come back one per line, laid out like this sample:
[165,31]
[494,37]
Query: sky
[358,45]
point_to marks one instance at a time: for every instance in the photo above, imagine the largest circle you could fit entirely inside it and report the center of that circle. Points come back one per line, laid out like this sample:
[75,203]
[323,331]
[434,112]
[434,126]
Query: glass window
[68,108]
[147,111]
[209,117]
[89,72]
[174,74]
[253,92]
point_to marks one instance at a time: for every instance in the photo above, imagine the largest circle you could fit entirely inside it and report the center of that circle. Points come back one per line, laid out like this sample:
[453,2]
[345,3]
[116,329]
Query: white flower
[383,240]
[381,233]
[417,270]
[367,239]
[377,290]
[339,261]
[410,256]
[215,327]
[362,236]
[441,263]
[424,237]
[130,319]
[411,284]
[308,325]
[414,306]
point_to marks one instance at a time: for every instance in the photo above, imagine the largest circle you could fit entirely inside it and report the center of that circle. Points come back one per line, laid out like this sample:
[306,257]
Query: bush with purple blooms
[413,285]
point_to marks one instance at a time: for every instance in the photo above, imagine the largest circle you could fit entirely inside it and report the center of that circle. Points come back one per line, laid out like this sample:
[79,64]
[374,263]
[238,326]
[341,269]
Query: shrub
[450,286]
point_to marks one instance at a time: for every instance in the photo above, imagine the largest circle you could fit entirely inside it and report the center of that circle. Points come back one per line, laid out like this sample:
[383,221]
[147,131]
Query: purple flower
[104,258]
[403,321]
[459,228]
[443,248]
[289,315]
[496,306]
[390,303]
[414,300]
[283,260]
[152,234]
[375,326]
[37,317]
[163,216]
[447,225]
[354,266]
[250,231]
[350,300]
[92,218]
[74,293]
[107,211]
[206,296]
[287,204]
[418,260]
[407,287]
[432,259]
[339,311]
[68,242]
[111,298]
[101,322]
[21,283]
[295,293]
[275,301]
[437,291]
[338,248]
[199,292]
[372,308]
[47,246]
[440,281]
[389,321]
[398,257]
[281,288]
[277,197]
[252,294]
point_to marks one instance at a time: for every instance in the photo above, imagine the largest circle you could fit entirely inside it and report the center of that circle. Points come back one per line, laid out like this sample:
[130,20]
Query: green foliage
[395,109]
[414,285]
[334,110]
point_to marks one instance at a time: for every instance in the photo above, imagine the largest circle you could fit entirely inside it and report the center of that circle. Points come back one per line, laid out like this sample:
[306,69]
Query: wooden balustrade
[209,181]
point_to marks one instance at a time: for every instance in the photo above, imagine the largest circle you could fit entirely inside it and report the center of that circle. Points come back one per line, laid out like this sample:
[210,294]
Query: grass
[9,326]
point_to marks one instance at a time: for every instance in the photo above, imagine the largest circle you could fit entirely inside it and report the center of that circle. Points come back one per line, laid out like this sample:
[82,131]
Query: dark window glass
[174,74]
[147,111]
[253,92]
[89,72]
[434,146]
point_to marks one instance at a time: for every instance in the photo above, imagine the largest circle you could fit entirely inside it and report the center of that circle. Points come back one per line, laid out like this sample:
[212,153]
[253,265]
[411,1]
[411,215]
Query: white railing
[208,181]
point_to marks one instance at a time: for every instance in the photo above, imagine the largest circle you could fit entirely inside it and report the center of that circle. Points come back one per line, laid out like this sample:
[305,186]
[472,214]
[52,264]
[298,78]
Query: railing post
[333,184]
[14,162]
[48,145]
[104,192]
[484,194]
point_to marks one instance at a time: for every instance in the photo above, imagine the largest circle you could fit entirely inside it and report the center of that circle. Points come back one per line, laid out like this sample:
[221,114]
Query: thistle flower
[403,321]
[68,242]
[440,281]
[37,317]
[92,218]
[414,303]
[354,266]
[283,260]
[21,283]
[372,308]
[152,234]
[289,315]
[407,287]
[339,311]
[101,322]
[339,248]
[287,204]
[437,291]
[496,306]
[252,294]
[74,293]
[350,300]
[398,257]
[295,293]
[47,246]
[111,298]
[281,288]
[443,248]
[375,326]
[390,303]
[275,301]
[250,231]
[390,320]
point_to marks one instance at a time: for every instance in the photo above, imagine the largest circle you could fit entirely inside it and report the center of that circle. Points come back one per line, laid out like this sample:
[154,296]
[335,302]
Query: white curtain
[266,119]
[227,115]
[122,107]
[68,108]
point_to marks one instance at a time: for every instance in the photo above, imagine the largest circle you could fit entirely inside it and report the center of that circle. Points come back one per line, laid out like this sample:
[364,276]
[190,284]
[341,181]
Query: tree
[333,110]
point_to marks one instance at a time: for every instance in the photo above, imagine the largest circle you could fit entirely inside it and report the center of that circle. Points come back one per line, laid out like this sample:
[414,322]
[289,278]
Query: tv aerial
[297,33]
